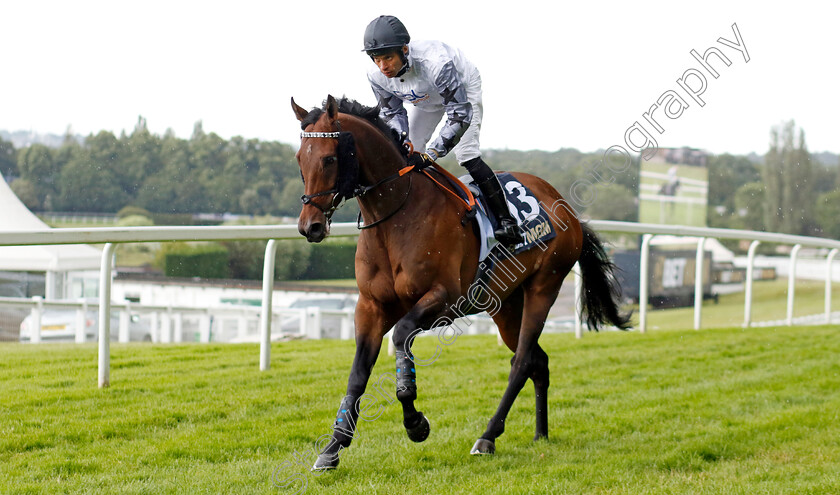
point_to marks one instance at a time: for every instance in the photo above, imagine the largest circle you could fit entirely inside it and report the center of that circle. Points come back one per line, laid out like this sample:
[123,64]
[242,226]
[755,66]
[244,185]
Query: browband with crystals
[319,135]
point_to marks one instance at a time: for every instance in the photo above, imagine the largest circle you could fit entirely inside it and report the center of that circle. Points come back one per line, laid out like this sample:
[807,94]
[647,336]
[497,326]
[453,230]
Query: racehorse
[418,256]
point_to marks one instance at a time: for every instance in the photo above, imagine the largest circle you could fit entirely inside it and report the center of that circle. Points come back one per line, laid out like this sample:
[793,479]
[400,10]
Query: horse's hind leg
[539,375]
[510,318]
[529,361]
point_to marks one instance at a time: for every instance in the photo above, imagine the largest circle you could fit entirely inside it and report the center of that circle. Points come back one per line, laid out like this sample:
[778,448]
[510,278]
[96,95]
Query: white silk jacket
[437,79]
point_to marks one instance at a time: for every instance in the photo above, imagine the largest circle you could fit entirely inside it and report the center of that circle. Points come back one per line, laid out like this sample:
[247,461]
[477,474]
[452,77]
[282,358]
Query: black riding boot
[508,231]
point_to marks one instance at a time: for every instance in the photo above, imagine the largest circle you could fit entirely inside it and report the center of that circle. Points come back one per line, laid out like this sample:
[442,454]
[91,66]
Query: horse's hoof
[325,462]
[483,447]
[419,428]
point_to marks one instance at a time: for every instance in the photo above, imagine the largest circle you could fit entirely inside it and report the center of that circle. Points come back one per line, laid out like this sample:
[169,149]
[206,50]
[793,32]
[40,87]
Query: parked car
[330,324]
[10,317]
[59,325]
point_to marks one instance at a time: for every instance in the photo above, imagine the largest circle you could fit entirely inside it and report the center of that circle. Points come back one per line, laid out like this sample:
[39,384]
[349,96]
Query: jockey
[436,79]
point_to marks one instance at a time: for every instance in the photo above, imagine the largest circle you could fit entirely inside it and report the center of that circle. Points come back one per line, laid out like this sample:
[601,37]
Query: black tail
[600,290]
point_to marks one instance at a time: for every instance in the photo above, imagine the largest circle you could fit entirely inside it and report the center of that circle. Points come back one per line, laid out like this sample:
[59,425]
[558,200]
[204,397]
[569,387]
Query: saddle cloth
[533,221]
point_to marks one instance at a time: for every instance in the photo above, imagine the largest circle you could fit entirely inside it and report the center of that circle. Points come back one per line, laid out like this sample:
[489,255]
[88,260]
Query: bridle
[358,189]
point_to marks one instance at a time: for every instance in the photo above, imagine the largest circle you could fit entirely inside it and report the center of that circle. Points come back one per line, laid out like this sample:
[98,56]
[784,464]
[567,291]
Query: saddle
[529,213]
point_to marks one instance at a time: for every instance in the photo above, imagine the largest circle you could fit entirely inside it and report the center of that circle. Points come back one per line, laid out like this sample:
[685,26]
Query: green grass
[718,411]
[672,213]
[769,304]
[136,254]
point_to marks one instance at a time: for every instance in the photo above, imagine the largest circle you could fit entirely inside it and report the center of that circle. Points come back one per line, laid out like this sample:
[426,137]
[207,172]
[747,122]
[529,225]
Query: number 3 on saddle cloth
[533,221]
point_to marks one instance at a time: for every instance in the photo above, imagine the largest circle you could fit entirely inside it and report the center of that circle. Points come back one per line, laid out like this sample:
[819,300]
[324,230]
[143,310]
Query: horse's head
[328,168]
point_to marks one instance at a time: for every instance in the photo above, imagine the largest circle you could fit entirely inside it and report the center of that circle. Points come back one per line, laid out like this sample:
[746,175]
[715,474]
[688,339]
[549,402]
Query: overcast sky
[555,74]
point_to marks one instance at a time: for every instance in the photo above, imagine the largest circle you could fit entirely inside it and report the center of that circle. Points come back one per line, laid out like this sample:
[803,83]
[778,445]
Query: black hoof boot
[483,447]
[417,427]
[326,462]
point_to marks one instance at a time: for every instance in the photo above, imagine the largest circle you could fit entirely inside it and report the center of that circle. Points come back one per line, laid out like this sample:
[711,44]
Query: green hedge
[205,261]
[181,219]
[296,260]
[331,260]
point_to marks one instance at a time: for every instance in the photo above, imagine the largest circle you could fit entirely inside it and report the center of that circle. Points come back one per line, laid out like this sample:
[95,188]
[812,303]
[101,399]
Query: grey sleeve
[391,109]
[458,110]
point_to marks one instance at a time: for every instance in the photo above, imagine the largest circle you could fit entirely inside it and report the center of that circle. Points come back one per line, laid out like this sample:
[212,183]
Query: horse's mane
[353,107]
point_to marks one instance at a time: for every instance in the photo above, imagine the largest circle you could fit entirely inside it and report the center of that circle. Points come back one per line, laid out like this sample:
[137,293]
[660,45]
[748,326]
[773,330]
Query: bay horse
[417,257]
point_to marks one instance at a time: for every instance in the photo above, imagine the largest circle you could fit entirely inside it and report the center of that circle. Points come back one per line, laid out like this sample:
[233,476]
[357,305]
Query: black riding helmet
[387,34]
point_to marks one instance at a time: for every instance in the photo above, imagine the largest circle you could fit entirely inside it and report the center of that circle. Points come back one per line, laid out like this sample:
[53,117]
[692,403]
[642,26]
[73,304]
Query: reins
[365,189]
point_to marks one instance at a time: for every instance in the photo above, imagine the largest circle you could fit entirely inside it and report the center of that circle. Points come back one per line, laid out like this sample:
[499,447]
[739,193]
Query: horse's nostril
[316,232]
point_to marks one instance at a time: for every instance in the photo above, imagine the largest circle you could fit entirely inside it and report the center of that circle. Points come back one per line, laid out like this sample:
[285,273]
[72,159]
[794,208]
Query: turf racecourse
[716,411]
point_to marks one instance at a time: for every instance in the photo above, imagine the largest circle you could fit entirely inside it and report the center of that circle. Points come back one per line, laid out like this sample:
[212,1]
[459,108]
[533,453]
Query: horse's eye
[330,160]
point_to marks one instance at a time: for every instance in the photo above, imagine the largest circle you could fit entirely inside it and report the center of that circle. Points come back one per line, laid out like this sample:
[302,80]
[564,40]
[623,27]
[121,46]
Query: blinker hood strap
[347,181]
[348,166]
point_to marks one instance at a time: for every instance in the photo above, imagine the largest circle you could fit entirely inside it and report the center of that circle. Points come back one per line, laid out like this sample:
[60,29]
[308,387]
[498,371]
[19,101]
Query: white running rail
[112,236]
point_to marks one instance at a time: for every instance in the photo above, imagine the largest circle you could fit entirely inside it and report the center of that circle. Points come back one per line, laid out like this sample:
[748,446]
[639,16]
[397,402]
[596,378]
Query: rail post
[698,282]
[792,283]
[81,320]
[105,316]
[644,262]
[37,312]
[124,335]
[749,283]
[828,280]
[265,315]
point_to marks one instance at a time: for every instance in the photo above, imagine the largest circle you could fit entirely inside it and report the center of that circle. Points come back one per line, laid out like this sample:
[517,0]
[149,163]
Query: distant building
[684,155]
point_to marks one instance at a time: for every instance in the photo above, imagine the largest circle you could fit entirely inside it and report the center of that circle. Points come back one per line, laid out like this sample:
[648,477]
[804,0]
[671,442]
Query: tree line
[161,174]
[208,174]
[789,191]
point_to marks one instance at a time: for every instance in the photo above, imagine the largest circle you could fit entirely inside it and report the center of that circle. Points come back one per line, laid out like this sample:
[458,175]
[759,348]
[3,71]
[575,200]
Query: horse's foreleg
[370,327]
[431,305]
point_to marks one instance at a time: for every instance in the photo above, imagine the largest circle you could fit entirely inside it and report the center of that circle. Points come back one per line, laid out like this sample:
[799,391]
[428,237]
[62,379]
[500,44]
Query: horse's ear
[332,107]
[300,113]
